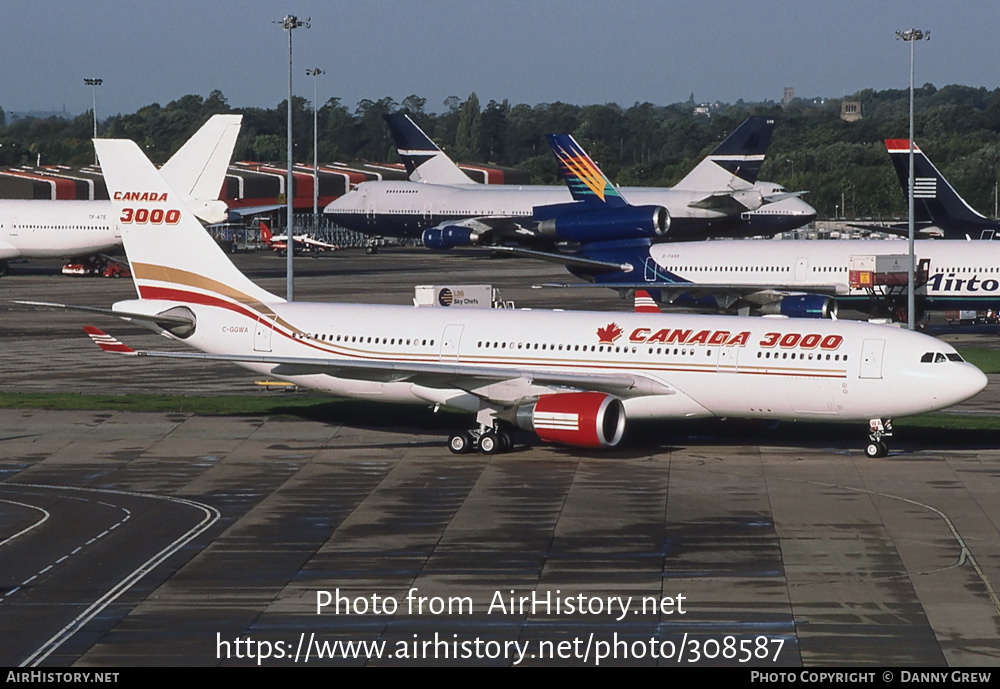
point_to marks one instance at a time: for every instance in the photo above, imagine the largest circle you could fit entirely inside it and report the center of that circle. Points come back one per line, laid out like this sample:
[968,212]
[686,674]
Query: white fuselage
[56,229]
[966,272]
[684,366]
[407,208]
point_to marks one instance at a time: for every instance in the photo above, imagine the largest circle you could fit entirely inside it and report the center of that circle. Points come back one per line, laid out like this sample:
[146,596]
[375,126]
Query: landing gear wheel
[371,250]
[490,443]
[875,449]
[460,443]
[506,442]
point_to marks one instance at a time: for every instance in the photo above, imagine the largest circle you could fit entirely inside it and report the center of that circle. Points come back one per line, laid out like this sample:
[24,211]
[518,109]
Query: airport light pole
[289,23]
[314,73]
[94,83]
[911,36]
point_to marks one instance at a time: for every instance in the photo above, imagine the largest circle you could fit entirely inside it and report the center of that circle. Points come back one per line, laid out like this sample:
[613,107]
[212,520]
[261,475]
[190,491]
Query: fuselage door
[650,273]
[871,358]
[13,227]
[728,361]
[449,342]
[801,269]
[262,336]
[368,203]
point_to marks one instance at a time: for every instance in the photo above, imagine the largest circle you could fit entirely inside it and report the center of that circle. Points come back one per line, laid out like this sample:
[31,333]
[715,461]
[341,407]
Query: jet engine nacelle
[580,419]
[447,237]
[630,222]
[803,306]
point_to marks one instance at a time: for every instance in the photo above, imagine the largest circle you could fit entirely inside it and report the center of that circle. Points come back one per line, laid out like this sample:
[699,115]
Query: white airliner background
[796,278]
[571,377]
[712,200]
[65,229]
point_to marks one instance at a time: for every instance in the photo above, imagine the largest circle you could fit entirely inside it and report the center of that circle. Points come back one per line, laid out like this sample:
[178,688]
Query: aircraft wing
[238,212]
[731,201]
[920,232]
[726,295]
[428,374]
[565,259]
[316,243]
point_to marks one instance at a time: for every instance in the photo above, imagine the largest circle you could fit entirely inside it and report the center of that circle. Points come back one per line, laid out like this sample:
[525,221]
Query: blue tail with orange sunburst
[585,180]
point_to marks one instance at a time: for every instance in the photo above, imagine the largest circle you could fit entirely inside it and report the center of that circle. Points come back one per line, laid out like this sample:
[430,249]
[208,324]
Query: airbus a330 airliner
[571,377]
[64,229]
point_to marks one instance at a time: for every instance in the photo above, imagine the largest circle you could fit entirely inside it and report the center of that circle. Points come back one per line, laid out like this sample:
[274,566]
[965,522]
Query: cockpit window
[938,357]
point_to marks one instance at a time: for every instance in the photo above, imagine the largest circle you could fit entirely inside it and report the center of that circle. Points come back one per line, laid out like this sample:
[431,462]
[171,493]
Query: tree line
[843,165]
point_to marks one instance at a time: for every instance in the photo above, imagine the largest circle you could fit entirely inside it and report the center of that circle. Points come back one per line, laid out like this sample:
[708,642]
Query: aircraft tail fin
[171,255]
[585,180]
[197,171]
[265,233]
[424,161]
[736,162]
[934,199]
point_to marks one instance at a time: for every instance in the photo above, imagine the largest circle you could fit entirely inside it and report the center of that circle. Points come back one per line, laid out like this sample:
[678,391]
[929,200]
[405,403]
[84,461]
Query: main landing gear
[878,429]
[490,441]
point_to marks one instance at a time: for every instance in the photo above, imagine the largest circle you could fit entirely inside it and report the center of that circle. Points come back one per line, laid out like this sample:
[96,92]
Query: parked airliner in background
[720,197]
[572,377]
[303,242]
[797,278]
[66,229]
[938,210]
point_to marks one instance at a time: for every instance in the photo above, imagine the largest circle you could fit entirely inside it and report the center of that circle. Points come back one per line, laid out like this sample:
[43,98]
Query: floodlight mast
[314,73]
[911,36]
[94,83]
[289,23]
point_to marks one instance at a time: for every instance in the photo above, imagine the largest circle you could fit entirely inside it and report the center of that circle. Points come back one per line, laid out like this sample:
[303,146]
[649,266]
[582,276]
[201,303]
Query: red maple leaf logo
[609,333]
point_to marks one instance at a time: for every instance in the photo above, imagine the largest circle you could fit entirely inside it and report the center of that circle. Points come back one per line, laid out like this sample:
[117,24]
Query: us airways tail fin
[424,161]
[585,180]
[735,162]
[197,170]
[171,255]
[934,199]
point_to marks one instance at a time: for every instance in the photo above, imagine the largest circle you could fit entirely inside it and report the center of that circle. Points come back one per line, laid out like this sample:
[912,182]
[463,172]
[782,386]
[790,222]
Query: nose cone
[954,384]
[799,208]
[969,381]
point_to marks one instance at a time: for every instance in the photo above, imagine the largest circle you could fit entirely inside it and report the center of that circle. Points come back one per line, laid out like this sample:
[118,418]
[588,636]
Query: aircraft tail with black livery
[736,162]
[424,161]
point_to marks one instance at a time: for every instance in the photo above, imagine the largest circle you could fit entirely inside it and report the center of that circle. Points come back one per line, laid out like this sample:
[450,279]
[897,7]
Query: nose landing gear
[878,429]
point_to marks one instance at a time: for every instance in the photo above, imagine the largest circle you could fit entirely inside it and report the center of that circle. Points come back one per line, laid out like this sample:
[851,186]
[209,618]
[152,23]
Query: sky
[526,51]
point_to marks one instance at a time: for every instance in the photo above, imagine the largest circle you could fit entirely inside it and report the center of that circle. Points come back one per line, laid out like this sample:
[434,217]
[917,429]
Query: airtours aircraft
[572,377]
[65,229]
[806,279]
